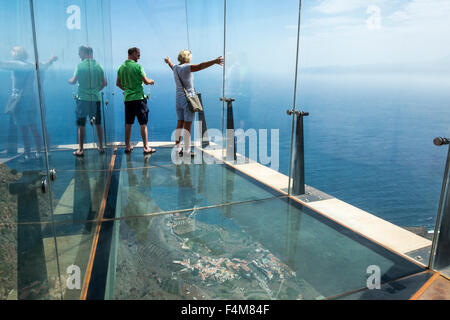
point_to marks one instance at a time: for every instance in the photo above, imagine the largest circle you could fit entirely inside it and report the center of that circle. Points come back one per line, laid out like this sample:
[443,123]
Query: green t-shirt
[130,75]
[90,76]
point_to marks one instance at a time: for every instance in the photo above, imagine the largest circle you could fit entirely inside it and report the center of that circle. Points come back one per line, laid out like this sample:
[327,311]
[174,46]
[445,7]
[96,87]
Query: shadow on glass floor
[29,268]
[148,189]
[401,289]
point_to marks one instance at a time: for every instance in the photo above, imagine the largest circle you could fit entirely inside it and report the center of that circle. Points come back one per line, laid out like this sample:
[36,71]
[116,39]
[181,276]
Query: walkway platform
[183,228]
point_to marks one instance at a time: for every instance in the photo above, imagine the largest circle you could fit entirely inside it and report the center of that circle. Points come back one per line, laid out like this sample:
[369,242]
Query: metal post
[224,67]
[231,140]
[201,117]
[440,249]
[299,160]
[294,104]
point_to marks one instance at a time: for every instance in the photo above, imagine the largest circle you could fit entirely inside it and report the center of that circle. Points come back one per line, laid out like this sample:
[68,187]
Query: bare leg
[144,135]
[178,131]
[187,135]
[81,135]
[37,138]
[100,137]
[26,139]
[127,136]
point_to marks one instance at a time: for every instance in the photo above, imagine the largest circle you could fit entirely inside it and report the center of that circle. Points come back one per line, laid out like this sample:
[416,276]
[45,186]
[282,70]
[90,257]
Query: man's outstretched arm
[46,65]
[13,65]
[207,64]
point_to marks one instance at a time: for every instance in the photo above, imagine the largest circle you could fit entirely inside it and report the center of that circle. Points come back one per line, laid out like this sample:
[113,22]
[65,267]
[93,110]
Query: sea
[368,136]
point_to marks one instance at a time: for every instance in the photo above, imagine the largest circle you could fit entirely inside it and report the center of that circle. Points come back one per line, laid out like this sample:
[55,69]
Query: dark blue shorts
[136,108]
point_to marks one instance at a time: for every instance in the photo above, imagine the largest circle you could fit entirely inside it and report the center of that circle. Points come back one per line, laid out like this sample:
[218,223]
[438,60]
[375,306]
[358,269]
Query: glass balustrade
[376,85]
[29,267]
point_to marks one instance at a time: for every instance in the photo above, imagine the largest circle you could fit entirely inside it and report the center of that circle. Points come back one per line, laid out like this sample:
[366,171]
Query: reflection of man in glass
[91,80]
[22,102]
[139,201]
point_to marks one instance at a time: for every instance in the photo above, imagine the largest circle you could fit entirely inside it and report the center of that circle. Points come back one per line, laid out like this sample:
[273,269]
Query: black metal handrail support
[299,160]
[230,135]
[440,249]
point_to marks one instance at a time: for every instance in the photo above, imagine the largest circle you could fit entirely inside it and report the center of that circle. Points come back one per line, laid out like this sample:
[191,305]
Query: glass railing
[29,263]
[50,66]
[376,102]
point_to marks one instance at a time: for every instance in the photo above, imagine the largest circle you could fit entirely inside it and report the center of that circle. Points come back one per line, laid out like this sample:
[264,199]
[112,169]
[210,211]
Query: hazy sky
[348,32]
[263,32]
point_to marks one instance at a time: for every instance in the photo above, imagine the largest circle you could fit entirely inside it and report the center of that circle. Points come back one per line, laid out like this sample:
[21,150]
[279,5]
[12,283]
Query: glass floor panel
[74,241]
[269,249]
[136,158]
[77,195]
[199,231]
[175,187]
[28,268]
[402,289]
[63,160]
[19,163]
[21,199]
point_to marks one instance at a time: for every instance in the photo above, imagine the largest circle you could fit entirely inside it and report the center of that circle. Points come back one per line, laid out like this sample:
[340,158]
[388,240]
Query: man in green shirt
[130,77]
[91,80]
